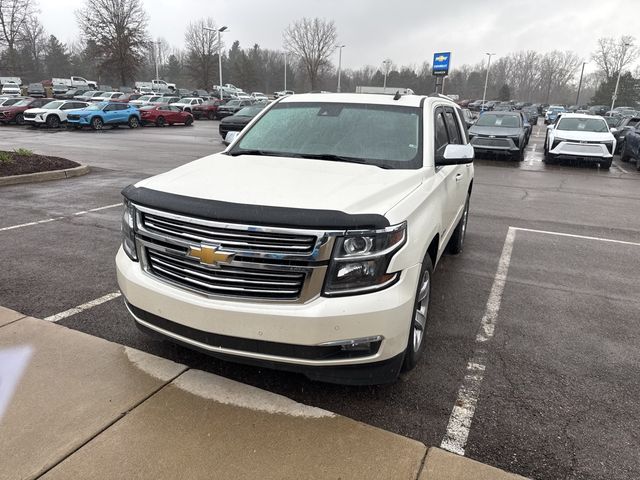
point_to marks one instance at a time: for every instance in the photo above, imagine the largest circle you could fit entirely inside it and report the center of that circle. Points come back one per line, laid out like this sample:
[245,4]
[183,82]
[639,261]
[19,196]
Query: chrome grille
[265,263]
[226,280]
[228,238]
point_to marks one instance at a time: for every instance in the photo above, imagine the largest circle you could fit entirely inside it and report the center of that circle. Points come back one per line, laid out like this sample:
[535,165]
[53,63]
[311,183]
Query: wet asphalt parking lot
[532,353]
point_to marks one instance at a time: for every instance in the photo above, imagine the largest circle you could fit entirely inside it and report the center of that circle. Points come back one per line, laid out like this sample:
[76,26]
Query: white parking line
[585,237]
[13,227]
[620,167]
[461,416]
[81,308]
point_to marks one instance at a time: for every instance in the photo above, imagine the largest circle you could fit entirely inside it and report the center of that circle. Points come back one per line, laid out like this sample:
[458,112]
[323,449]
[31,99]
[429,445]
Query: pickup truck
[309,244]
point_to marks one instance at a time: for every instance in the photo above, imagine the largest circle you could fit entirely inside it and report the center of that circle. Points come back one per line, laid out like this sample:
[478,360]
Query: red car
[208,109]
[14,113]
[165,115]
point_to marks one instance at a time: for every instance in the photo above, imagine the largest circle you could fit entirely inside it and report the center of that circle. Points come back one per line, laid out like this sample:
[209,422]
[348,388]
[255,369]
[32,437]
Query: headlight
[128,230]
[360,261]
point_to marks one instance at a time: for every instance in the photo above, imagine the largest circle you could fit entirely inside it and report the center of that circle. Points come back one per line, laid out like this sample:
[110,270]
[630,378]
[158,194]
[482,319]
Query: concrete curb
[45,176]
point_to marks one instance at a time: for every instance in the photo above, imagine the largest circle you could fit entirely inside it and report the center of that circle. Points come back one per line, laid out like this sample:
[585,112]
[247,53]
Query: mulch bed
[22,164]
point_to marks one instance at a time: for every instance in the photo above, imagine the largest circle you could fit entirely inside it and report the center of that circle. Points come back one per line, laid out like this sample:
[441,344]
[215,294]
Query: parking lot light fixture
[580,84]
[615,93]
[386,64]
[486,81]
[339,47]
[219,30]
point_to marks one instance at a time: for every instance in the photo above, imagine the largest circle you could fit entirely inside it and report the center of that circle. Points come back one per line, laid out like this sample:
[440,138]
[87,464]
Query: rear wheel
[416,344]
[53,121]
[133,122]
[212,115]
[97,123]
[160,122]
[189,121]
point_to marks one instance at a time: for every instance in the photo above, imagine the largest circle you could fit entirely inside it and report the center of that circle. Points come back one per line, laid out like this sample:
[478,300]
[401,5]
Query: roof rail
[439,95]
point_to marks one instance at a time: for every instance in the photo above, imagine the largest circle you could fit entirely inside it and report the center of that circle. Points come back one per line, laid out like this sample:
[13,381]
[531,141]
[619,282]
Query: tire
[606,165]
[519,157]
[420,316]
[160,122]
[188,122]
[456,242]
[53,121]
[19,119]
[211,116]
[186,110]
[624,155]
[97,123]
[638,164]
[133,122]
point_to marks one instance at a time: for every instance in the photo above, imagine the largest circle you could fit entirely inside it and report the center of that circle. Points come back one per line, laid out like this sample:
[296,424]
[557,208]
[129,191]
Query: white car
[307,252]
[53,114]
[283,93]
[145,100]
[188,103]
[107,97]
[259,96]
[11,88]
[582,137]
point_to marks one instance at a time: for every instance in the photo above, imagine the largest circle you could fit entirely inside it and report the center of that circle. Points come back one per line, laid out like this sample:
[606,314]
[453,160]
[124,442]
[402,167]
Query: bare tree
[609,54]
[13,16]
[202,48]
[32,42]
[313,41]
[119,30]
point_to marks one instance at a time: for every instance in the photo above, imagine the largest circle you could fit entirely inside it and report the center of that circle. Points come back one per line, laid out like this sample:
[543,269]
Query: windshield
[233,103]
[506,121]
[383,135]
[53,105]
[144,98]
[23,103]
[95,106]
[583,125]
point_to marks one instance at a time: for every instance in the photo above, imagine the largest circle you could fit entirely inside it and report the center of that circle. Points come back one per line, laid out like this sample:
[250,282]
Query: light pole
[386,64]
[285,69]
[339,47]
[580,84]
[615,94]
[155,56]
[486,80]
[219,30]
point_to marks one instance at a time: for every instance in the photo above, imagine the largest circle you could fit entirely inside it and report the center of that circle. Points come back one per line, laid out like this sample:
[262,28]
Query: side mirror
[613,130]
[456,155]
[230,137]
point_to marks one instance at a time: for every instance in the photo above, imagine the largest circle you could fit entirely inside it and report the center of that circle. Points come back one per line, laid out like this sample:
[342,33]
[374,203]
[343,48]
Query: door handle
[459,177]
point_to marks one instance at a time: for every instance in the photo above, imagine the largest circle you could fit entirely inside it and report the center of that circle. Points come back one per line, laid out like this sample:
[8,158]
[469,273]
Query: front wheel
[160,122]
[624,154]
[97,123]
[212,115]
[456,243]
[519,155]
[606,165]
[416,344]
[133,122]
[19,119]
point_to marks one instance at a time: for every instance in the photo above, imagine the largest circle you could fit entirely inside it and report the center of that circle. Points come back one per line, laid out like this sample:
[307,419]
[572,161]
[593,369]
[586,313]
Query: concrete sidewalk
[91,409]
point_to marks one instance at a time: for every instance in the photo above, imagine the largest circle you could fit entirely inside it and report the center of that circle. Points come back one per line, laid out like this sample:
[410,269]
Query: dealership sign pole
[440,68]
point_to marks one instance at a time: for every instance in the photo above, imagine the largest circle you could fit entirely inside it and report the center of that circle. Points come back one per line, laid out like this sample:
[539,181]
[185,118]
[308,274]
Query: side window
[441,137]
[452,126]
[123,106]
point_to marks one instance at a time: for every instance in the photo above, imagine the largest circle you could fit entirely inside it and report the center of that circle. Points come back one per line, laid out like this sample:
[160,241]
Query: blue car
[552,114]
[100,114]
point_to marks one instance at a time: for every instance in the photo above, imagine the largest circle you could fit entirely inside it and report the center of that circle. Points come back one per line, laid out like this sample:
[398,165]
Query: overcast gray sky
[406,31]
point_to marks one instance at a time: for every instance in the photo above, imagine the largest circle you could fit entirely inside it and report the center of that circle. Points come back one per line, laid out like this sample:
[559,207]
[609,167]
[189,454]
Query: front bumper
[386,314]
[82,121]
[499,145]
[582,151]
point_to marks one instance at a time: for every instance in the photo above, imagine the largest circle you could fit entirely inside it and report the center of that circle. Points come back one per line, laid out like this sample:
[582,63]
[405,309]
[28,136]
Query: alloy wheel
[422,310]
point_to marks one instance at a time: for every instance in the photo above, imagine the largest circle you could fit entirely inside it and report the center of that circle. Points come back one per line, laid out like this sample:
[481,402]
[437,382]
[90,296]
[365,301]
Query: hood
[80,111]
[12,108]
[35,111]
[583,136]
[497,131]
[289,182]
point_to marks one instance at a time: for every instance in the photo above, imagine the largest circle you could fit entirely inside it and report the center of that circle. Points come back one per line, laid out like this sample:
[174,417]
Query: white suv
[310,243]
[53,113]
[582,137]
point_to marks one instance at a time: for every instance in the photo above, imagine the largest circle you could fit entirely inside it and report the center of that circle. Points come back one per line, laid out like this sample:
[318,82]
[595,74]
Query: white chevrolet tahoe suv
[309,244]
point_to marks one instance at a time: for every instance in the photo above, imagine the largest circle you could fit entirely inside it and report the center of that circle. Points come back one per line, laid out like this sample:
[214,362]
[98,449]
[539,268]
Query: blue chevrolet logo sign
[441,63]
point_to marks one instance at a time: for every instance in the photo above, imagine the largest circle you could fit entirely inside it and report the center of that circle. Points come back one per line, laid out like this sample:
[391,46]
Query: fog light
[367,345]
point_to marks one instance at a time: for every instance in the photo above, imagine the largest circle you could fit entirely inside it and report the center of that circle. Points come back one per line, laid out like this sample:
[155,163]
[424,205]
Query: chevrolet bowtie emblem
[209,255]
[441,58]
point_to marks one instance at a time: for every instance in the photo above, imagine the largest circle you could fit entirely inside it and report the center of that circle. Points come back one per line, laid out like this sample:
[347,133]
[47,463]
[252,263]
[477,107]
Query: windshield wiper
[331,157]
[258,153]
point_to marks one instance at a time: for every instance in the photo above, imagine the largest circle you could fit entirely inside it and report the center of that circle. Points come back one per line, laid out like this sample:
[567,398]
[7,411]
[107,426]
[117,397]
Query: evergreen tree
[57,60]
